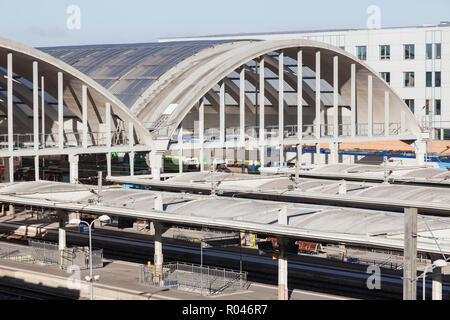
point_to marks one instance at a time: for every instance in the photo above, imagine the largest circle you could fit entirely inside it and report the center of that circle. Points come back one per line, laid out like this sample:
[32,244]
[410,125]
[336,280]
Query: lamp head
[440,263]
[75,222]
[104,218]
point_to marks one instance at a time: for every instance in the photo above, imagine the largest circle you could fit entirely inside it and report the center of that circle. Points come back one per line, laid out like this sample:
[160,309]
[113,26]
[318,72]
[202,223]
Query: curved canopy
[152,78]
[127,70]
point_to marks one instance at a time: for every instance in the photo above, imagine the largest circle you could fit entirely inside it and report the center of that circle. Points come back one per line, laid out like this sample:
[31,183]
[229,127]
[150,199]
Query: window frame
[358,53]
[387,52]
[407,54]
[409,73]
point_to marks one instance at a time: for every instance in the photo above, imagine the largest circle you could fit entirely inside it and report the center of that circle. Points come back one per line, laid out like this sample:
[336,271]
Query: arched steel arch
[187,82]
[49,66]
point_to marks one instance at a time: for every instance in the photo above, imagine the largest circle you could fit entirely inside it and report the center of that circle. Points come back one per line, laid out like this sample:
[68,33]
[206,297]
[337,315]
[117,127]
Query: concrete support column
[282,259]
[420,149]
[300,95]
[222,114]
[262,112]
[9,169]
[410,255]
[43,110]
[201,116]
[73,164]
[180,151]
[437,284]
[108,164]
[281,106]
[158,257]
[370,107]
[84,117]
[336,96]
[156,164]
[10,102]
[318,97]
[132,155]
[35,106]
[62,244]
[60,111]
[353,100]
[387,131]
[108,125]
[334,152]
[242,109]
[36,168]
[131,134]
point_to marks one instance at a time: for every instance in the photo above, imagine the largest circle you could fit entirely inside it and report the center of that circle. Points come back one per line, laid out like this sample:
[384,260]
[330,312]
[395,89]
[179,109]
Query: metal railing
[71,139]
[194,278]
[44,252]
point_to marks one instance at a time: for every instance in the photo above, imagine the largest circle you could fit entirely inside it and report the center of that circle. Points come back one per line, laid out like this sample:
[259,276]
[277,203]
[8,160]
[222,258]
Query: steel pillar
[370,107]
[60,111]
[84,117]
[10,103]
[262,112]
[437,284]
[336,96]
[35,106]
[281,106]
[282,259]
[353,100]
[318,97]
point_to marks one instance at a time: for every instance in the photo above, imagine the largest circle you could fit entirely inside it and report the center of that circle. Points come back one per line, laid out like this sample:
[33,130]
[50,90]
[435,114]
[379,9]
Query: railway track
[9,291]
[305,273]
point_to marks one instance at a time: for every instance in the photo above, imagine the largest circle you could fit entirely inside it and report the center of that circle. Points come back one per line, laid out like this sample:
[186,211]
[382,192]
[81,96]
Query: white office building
[415,61]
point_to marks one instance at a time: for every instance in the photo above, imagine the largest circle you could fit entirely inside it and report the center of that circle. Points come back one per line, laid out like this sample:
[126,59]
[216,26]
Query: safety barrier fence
[194,278]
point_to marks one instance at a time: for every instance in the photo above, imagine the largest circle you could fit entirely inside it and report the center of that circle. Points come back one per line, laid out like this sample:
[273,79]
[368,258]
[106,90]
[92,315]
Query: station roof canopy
[127,70]
[362,226]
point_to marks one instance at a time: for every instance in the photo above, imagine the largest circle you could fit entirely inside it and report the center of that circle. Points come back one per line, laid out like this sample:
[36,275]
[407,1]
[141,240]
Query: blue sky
[43,22]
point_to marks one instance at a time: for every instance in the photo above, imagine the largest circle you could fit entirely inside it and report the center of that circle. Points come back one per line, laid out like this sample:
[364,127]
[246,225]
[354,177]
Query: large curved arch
[49,66]
[189,81]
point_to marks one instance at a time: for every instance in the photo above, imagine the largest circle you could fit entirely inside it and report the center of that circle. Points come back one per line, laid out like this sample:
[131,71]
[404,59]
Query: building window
[386,76]
[437,107]
[361,52]
[437,50]
[429,79]
[409,51]
[409,79]
[385,52]
[410,104]
[437,79]
[429,50]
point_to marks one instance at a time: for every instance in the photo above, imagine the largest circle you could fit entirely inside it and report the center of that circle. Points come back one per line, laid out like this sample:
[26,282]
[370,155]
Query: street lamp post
[436,264]
[77,222]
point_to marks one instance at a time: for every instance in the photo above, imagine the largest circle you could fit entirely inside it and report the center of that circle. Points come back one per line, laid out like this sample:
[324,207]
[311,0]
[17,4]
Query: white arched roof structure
[156,85]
